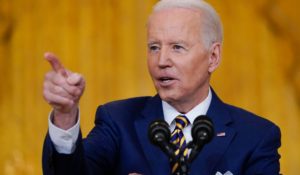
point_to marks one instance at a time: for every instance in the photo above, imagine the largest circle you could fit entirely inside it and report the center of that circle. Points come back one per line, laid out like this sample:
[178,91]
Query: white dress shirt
[65,140]
[170,113]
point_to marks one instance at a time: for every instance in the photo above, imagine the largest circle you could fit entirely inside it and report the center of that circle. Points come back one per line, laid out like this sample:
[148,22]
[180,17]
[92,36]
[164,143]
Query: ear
[214,57]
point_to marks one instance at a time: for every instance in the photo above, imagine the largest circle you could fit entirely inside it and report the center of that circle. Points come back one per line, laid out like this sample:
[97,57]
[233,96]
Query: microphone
[202,133]
[159,135]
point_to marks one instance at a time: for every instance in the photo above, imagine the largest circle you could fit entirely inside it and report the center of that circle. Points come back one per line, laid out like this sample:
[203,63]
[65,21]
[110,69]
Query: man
[184,49]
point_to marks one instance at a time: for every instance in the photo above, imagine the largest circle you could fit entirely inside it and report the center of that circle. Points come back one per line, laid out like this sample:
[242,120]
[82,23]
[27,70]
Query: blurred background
[105,40]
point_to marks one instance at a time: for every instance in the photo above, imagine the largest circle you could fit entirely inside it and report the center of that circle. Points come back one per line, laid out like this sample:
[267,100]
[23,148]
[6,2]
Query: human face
[178,61]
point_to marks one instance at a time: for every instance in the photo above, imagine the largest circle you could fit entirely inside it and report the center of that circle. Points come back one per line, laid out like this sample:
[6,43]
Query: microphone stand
[184,163]
[183,166]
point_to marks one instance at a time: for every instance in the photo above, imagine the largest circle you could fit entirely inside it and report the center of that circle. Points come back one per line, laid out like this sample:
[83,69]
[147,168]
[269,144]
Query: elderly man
[184,49]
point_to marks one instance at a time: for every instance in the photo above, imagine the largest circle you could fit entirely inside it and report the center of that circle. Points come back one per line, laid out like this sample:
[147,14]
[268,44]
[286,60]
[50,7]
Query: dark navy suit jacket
[119,144]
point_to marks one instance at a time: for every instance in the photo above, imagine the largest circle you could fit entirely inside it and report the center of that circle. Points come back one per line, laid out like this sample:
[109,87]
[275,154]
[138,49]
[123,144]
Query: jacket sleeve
[55,163]
[94,155]
[265,158]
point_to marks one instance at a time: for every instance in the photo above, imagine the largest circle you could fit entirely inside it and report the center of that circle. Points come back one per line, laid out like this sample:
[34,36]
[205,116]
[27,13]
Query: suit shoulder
[249,120]
[135,102]
[121,108]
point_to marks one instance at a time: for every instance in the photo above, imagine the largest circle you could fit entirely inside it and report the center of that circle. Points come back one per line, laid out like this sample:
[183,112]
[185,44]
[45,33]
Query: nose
[164,58]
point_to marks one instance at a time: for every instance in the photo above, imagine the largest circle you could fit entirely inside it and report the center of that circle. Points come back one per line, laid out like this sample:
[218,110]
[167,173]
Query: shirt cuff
[64,140]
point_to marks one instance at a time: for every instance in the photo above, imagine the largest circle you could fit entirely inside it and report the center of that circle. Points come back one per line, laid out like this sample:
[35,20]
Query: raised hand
[62,90]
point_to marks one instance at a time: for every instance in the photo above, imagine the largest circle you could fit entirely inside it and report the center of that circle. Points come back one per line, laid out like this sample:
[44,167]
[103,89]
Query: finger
[74,79]
[55,64]
[55,78]
[74,91]
[71,89]
[58,100]
[58,90]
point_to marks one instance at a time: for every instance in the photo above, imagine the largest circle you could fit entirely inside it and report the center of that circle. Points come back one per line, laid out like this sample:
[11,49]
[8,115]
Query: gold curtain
[105,40]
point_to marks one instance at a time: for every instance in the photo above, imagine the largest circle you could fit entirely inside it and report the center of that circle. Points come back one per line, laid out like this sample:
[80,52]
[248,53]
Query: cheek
[151,66]
[195,71]
[199,66]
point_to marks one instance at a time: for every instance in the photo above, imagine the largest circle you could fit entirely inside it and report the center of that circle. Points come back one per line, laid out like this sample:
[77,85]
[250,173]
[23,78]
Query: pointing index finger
[55,64]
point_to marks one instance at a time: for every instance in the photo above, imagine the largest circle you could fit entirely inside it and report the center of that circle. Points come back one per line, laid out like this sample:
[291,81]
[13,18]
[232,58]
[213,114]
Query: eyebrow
[170,42]
[178,41]
[153,42]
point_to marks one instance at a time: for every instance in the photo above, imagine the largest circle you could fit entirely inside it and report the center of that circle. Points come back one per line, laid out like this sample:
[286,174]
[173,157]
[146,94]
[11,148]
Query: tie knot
[181,121]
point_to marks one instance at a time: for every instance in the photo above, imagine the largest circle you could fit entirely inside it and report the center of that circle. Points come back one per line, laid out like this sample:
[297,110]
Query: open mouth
[166,79]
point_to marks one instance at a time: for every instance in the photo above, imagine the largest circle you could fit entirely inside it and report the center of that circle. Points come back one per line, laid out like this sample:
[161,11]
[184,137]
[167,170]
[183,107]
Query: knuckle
[49,75]
[82,82]
[78,92]
[57,89]
[46,95]
[79,76]
[59,81]
[45,85]
[75,91]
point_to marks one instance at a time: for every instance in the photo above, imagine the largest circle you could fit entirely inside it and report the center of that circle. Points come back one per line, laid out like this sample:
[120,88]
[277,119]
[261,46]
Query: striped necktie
[178,139]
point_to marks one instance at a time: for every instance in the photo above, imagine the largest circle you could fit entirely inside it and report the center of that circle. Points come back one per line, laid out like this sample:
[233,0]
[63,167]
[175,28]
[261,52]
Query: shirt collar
[170,112]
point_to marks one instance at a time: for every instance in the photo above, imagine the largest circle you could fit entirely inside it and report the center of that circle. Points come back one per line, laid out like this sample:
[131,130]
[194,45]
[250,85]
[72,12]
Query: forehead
[178,21]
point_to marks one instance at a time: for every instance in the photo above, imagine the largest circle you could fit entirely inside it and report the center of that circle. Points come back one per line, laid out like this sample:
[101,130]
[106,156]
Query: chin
[168,96]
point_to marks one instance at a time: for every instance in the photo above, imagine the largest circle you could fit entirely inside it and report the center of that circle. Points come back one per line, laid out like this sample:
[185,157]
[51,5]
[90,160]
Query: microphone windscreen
[202,130]
[159,132]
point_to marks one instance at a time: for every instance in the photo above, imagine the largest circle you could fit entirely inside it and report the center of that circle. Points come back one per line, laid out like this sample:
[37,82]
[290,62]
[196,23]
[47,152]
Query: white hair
[212,26]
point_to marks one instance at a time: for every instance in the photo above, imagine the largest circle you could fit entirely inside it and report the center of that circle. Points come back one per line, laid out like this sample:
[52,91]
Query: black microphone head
[202,130]
[159,132]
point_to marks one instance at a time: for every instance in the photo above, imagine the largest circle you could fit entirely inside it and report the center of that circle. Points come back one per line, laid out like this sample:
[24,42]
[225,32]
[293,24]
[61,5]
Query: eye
[153,47]
[178,47]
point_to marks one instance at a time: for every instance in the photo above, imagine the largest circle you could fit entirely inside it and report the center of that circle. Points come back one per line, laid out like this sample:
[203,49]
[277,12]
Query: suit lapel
[212,153]
[157,160]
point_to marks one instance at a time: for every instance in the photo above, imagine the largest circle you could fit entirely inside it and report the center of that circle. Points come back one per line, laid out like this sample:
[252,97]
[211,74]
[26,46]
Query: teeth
[165,79]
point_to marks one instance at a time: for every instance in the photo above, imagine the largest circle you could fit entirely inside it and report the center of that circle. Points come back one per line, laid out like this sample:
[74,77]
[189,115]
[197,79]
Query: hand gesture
[62,90]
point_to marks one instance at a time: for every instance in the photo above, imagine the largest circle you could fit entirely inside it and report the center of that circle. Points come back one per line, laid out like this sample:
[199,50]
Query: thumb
[75,79]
